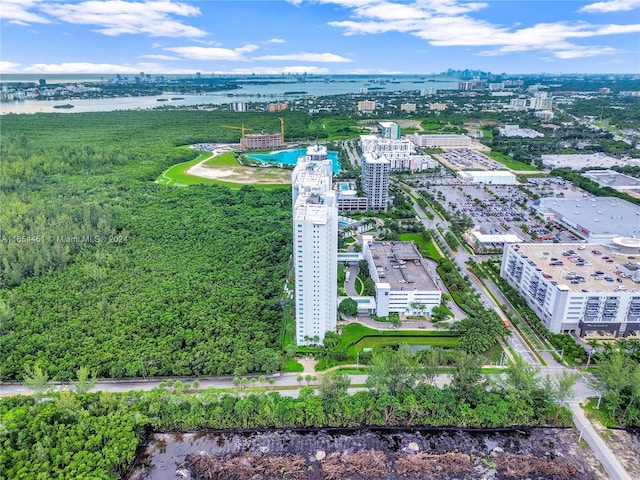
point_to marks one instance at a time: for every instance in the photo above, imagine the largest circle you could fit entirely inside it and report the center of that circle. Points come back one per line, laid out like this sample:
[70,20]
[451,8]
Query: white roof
[508,238]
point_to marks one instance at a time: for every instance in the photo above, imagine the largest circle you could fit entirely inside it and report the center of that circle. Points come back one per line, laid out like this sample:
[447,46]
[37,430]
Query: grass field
[237,174]
[355,337]
[225,160]
[377,342]
[509,162]
[290,365]
[176,175]
[427,246]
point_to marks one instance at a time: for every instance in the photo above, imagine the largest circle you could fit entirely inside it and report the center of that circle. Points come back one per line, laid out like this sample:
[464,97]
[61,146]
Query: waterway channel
[248,93]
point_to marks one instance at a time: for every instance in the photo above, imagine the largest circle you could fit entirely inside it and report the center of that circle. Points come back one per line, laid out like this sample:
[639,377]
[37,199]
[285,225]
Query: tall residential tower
[375,180]
[315,246]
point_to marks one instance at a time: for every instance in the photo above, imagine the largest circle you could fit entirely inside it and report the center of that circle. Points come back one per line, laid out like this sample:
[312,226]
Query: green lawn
[509,162]
[358,285]
[353,333]
[487,133]
[377,342]
[177,175]
[427,246]
[225,160]
[291,365]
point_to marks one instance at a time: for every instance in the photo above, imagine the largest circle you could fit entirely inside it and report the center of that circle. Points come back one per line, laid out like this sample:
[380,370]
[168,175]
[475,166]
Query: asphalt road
[460,258]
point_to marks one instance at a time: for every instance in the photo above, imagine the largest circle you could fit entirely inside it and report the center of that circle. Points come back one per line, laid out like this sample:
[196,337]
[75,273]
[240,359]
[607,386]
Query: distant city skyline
[319,36]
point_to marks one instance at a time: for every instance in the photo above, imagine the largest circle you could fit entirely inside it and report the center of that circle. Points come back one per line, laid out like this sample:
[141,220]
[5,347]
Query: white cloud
[276,40]
[584,52]
[8,67]
[447,23]
[87,67]
[17,12]
[160,57]
[306,57]
[213,53]
[611,6]
[117,17]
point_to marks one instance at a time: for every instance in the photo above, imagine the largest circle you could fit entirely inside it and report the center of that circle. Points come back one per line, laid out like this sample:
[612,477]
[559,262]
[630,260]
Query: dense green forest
[89,436]
[103,268]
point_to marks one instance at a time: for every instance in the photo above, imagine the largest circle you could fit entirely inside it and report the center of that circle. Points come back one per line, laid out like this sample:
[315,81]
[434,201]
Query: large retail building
[592,290]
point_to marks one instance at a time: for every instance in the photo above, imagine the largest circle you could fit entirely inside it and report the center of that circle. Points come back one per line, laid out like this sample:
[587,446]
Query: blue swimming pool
[290,157]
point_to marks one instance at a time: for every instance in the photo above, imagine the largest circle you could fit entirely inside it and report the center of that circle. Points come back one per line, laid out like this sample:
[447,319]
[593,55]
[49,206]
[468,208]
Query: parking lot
[498,209]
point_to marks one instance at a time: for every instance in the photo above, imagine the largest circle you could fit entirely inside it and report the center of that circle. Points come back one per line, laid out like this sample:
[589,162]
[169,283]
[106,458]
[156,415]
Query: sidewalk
[602,451]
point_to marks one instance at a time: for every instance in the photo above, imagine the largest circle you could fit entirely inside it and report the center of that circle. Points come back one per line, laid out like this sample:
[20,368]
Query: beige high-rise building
[366,106]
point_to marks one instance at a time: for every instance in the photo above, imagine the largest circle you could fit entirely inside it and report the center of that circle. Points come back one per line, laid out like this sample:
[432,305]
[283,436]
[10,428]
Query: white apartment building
[407,107]
[541,101]
[404,283]
[239,106]
[375,180]
[587,289]
[389,130]
[437,107]
[315,246]
[401,153]
[518,103]
[441,141]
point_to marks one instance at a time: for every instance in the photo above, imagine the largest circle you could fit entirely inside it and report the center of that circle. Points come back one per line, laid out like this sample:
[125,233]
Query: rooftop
[577,161]
[579,267]
[613,179]
[598,215]
[312,212]
[402,266]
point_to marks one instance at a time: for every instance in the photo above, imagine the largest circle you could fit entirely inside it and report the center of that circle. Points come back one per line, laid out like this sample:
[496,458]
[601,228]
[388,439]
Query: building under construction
[259,140]
[262,140]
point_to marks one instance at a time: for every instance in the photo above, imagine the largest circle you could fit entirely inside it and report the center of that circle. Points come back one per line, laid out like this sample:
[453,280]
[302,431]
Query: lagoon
[290,157]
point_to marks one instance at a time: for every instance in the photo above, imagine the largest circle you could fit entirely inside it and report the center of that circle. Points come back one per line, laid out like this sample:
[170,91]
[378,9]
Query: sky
[318,36]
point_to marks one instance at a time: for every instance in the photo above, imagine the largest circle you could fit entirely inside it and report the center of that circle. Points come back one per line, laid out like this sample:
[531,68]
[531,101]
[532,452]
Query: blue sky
[319,36]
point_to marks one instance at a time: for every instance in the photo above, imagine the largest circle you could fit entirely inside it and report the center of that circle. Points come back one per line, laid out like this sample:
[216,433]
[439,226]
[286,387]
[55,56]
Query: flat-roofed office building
[404,282]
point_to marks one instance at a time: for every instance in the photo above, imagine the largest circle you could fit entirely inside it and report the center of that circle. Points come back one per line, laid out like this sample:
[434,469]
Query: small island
[66,105]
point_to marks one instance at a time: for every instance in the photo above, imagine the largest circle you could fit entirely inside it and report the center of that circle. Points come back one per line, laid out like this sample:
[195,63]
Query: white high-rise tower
[375,180]
[315,246]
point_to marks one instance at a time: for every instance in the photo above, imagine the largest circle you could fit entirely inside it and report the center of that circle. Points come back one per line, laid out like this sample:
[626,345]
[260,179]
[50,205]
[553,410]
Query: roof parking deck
[400,265]
[582,267]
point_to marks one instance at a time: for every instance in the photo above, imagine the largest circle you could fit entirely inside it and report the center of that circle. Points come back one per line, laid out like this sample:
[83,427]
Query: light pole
[581,430]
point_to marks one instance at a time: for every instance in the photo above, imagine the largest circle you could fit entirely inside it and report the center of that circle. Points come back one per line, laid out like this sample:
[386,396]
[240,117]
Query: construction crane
[281,129]
[243,129]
